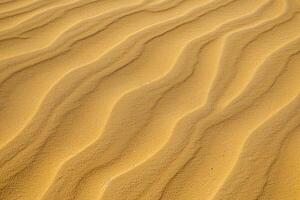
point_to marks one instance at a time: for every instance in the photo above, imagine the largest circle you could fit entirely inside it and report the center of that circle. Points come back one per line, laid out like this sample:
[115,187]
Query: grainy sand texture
[149,99]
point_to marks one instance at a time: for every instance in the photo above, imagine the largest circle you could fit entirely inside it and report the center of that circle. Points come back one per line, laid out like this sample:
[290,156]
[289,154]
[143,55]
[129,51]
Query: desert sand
[149,99]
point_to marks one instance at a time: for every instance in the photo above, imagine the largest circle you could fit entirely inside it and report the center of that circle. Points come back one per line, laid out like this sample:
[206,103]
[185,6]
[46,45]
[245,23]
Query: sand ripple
[149,99]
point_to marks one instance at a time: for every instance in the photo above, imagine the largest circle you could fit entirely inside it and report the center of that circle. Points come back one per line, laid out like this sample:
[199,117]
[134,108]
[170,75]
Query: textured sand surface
[149,99]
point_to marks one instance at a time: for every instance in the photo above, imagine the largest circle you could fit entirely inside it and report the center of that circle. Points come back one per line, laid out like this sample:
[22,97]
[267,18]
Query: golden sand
[149,99]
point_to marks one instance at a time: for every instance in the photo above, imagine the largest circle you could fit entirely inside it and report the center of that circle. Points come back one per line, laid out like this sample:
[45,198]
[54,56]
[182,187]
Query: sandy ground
[149,99]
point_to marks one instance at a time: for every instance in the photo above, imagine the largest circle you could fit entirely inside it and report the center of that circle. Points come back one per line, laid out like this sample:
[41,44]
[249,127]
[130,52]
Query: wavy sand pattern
[149,99]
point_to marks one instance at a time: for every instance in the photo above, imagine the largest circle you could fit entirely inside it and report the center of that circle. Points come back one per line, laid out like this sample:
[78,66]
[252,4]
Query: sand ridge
[149,99]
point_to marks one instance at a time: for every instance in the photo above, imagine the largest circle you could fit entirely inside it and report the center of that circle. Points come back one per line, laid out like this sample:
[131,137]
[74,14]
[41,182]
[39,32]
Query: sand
[149,99]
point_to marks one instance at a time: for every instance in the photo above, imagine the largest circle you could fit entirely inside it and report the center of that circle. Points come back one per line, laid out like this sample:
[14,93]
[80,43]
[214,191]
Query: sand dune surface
[149,99]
